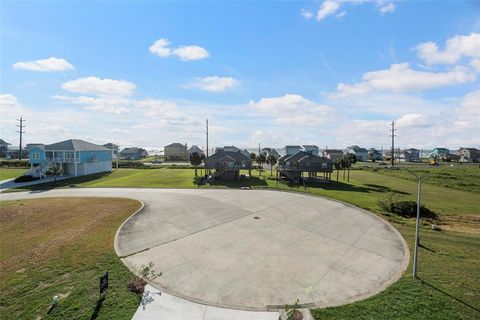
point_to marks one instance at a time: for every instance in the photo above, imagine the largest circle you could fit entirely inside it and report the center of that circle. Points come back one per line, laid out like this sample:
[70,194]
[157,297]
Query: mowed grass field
[61,246]
[464,177]
[449,258]
[10,173]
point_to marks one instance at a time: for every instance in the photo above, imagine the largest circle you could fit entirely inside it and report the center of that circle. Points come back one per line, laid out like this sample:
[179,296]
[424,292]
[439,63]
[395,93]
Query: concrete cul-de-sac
[253,249]
[260,250]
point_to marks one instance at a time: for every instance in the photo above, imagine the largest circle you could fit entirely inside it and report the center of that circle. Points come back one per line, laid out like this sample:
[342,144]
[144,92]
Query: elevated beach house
[227,164]
[77,158]
[293,167]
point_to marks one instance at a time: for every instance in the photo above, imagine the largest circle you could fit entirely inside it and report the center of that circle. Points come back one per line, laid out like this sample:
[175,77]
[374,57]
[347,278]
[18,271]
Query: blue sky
[333,73]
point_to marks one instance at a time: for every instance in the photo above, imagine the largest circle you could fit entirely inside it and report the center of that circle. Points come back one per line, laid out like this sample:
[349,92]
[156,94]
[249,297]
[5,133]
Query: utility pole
[417,226]
[259,148]
[207,137]
[21,127]
[393,142]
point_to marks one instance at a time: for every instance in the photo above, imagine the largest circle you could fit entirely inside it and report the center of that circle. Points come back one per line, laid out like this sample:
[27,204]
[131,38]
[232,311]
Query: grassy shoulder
[61,246]
[457,176]
[448,287]
[8,173]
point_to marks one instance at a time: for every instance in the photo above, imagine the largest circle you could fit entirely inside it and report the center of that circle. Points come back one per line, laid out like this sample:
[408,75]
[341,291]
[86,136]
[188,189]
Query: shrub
[409,209]
[14,164]
[130,164]
[136,285]
[387,204]
[25,179]
[404,208]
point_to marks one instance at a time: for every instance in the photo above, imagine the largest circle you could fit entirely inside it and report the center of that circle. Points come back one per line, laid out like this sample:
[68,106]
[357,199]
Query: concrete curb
[115,239]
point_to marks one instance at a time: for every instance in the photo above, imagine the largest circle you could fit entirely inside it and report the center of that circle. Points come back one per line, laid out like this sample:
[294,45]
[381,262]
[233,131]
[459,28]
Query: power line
[21,126]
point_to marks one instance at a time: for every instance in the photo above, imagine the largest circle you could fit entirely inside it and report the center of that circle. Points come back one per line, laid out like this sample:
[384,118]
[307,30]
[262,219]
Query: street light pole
[417,226]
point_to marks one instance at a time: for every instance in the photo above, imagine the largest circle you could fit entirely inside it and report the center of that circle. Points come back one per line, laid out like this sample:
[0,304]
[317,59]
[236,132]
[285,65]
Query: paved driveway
[255,249]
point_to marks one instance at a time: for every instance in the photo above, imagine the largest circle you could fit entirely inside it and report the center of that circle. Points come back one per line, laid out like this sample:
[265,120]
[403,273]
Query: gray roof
[194,147]
[237,156]
[75,145]
[111,145]
[132,150]
[175,144]
[357,148]
[3,142]
[302,156]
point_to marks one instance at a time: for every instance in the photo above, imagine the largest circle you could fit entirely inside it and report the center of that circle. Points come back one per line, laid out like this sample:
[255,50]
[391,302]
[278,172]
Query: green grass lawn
[449,258]
[61,246]
[449,285]
[456,176]
[7,173]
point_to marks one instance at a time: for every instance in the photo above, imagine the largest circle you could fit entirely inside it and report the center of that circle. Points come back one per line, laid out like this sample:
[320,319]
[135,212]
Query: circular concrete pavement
[260,250]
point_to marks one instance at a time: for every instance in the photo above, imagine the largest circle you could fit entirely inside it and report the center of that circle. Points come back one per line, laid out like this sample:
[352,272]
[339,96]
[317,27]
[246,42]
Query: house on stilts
[294,167]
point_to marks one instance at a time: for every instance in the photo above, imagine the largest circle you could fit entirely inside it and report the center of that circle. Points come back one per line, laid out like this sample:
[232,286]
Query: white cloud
[8,103]
[475,63]
[455,49]
[160,48]
[293,109]
[414,120]
[191,52]
[45,65]
[10,111]
[108,104]
[387,8]
[214,83]
[329,7]
[401,78]
[307,14]
[468,114]
[101,87]
[365,133]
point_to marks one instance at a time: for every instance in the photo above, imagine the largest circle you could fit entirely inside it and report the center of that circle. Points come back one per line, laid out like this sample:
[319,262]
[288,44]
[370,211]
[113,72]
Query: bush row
[14,164]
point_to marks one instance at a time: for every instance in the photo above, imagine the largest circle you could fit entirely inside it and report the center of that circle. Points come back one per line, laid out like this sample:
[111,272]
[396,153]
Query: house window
[36,156]
[109,154]
[69,155]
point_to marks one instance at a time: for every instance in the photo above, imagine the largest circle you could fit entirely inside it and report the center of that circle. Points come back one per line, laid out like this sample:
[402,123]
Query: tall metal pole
[417,226]
[21,127]
[393,142]
[207,136]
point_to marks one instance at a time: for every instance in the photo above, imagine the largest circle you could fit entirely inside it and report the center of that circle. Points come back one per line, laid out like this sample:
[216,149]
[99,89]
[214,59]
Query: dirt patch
[467,224]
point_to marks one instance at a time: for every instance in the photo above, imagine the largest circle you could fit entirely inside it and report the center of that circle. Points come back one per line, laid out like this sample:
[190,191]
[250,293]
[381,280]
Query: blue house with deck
[77,158]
